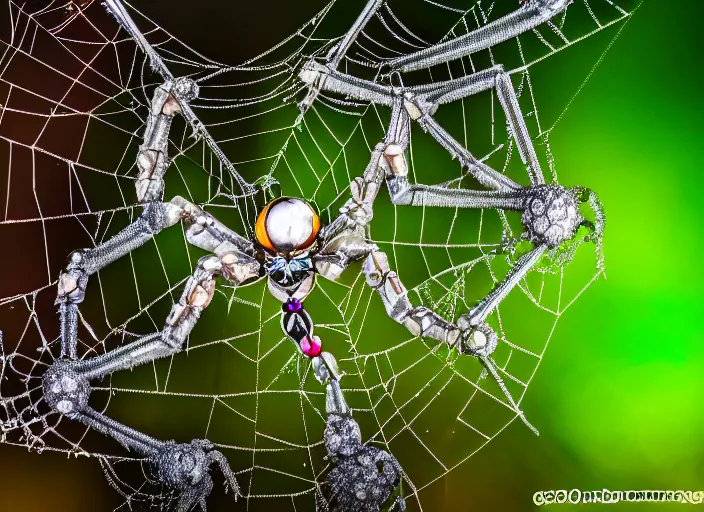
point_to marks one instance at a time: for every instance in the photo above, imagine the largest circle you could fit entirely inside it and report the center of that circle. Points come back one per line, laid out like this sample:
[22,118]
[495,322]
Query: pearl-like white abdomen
[287,224]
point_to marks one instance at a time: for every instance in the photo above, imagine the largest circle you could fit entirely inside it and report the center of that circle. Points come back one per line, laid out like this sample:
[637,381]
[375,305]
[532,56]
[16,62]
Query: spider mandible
[290,247]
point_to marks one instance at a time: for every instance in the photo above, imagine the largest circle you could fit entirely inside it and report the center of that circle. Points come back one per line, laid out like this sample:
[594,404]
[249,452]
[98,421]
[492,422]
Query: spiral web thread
[74,91]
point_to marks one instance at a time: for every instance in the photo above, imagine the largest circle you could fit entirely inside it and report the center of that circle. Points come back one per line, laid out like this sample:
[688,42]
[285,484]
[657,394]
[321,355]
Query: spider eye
[286,225]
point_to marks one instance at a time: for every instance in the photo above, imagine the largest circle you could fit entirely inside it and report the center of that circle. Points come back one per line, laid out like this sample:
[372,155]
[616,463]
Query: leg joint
[65,390]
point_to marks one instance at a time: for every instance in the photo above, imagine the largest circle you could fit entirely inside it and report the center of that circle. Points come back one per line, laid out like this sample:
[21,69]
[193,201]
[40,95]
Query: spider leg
[184,467]
[550,212]
[203,231]
[344,239]
[153,158]
[169,99]
[329,79]
[117,9]
[361,477]
[370,9]
[82,263]
[453,90]
[339,50]
[471,335]
[479,314]
[419,105]
[531,14]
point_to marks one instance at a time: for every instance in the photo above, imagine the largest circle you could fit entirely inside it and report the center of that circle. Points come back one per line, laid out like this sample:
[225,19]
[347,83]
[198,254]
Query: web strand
[74,94]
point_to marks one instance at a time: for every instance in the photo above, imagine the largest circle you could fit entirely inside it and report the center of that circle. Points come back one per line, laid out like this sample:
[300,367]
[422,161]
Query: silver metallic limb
[420,321]
[509,102]
[117,9]
[339,50]
[344,240]
[491,367]
[526,262]
[325,78]
[236,253]
[66,388]
[471,335]
[203,230]
[82,263]
[531,14]
[184,314]
[183,467]
[495,77]
[362,477]
[404,193]
[452,90]
[206,232]
[480,171]
[419,105]
[153,158]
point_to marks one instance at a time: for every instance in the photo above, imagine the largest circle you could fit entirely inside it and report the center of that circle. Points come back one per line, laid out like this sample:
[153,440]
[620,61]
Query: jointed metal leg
[344,240]
[205,232]
[83,263]
[509,102]
[184,467]
[182,95]
[531,14]
[472,335]
[152,162]
[362,477]
[339,50]
[153,158]
[420,104]
[526,262]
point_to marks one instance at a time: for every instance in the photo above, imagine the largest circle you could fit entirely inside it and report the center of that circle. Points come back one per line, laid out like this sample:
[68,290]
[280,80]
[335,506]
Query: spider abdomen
[287,225]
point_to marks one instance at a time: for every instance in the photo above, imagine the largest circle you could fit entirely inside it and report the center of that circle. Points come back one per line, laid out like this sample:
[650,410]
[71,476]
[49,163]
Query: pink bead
[311,347]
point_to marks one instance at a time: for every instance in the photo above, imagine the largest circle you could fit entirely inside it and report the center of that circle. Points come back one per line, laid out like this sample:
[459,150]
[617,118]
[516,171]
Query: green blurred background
[616,398]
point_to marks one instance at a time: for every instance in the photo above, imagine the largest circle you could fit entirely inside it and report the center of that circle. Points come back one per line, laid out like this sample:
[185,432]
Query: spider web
[74,94]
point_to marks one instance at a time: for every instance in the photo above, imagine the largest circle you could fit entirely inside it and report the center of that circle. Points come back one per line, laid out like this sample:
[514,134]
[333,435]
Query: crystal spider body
[290,247]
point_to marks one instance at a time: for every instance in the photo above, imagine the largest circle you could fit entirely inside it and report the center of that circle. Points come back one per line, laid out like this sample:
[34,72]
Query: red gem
[311,347]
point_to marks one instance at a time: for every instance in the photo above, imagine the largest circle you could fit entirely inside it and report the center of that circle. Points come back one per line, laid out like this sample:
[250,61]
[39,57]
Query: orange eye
[260,229]
[287,225]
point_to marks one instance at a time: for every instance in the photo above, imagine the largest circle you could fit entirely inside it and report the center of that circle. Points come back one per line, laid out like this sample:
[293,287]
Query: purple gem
[292,306]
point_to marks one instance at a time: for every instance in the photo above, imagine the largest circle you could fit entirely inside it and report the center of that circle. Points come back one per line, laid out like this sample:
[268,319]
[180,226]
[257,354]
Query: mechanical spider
[290,247]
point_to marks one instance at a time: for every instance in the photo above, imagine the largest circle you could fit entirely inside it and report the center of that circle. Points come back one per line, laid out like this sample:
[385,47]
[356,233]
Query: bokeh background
[616,398]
